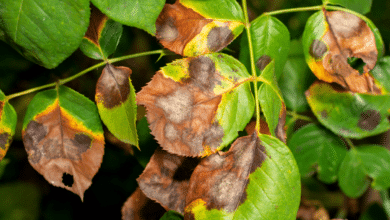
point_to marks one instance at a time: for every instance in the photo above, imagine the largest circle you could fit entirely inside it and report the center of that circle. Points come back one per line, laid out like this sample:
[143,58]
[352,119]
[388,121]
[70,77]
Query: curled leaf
[64,138]
[331,39]
[187,29]
[115,98]
[196,106]
[8,121]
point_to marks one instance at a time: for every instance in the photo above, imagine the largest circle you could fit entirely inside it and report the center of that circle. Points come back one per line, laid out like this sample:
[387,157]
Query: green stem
[349,142]
[298,116]
[253,67]
[386,201]
[63,81]
[290,10]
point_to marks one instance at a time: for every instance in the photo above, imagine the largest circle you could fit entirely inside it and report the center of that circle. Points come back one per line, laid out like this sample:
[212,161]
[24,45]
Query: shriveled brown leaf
[166,178]
[140,207]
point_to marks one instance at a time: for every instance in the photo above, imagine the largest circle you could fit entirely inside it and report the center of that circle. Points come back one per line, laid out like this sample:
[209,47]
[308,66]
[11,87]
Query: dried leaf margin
[8,119]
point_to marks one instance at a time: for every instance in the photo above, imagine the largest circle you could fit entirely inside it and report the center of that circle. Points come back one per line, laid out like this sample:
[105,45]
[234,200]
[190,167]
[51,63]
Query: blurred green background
[25,194]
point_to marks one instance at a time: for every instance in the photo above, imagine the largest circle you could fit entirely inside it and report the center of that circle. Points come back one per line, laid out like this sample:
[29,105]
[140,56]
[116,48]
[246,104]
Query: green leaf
[351,115]
[381,73]
[63,137]
[172,215]
[3,164]
[44,31]
[362,7]
[270,41]
[136,13]
[374,212]
[272,192]
[102,36]
[115,98]
[196,106]
[211,30]
[380,45]
[317,150]
[272,103]
[295,80]
[8,119]
[361,165]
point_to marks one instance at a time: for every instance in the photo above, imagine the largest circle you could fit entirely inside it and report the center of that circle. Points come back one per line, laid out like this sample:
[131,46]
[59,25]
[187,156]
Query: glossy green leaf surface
[196,106]
[272,103]
[270,41]
[381,72]
[172,215]
[317,150]
[115,98]
[364,165]
[63,136]
[363,6]
[348,114]
[44,31]
[136,13]
[102,36]
[296,79]
[272,192]
[8,119]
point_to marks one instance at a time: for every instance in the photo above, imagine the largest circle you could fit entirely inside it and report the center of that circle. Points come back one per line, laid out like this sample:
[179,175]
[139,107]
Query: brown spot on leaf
[166,177]
[3,140]
[34,133]
[324,114]
[113,88]
[202,71]
[1,108]
[177,106]
[177,25]
[263,61]
[226,174]
[279,130]
[219,38]
[82,142]
[140,207]
[96,24]
[317,49]
[369,120]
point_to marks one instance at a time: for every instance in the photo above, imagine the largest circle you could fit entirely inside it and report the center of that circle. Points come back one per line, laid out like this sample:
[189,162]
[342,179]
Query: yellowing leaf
[7,124]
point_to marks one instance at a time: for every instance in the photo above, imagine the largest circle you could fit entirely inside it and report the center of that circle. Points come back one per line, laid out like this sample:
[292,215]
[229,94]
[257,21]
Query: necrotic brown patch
[202,70]
[177,106]
[171,133]
[263,61]
[369,120]
[34,133]
[3,140]
[219,38]
[317,49]
[167,31]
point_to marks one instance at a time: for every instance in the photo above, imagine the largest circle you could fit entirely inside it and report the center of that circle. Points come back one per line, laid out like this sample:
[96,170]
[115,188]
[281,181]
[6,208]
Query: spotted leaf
[140,207]
[196,106]
[348,114]
[102,36]
[166,178]
[331,40]
[256,179]
[115,98]
[364,165]
[64,138]
[272,103]
[192,28]
[8,121]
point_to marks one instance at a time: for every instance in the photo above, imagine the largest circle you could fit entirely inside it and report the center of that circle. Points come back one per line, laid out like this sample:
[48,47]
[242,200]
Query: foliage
[217,134]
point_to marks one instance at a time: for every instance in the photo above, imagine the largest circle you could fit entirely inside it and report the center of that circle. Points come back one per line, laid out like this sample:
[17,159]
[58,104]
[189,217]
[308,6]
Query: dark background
[25,194]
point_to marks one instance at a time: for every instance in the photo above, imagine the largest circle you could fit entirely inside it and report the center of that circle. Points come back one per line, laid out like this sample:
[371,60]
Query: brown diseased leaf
[140,207]
[96,24]
[64,154]
[220,180]
[348,36]
[166,178]
[113,88]
[181,114]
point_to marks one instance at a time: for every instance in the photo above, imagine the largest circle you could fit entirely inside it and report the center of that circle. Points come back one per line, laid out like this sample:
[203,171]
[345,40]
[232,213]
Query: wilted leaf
[363,6]
[272,103]
[348,114]
[140,207]
[192,28]
[166,178]
[317,150]
[115,98]
[270,41]
[102,36]
[196,106]
[361,165]
[256,179]
[44,31]
[332,38]
[137,13]
[8,121]
[64,138]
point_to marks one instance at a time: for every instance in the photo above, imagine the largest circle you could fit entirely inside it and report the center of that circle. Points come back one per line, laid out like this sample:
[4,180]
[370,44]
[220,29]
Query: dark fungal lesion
[34,133]
[167,31]
[219,38]
[317,49]
[369,119]
[202,71]
[263,61]
[4,140]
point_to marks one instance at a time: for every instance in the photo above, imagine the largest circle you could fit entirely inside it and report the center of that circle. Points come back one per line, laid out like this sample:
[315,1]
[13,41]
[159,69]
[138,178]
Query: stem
[349,142]
[298,116]
[253,67]
[63,81]
[290,10]
[386,201]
